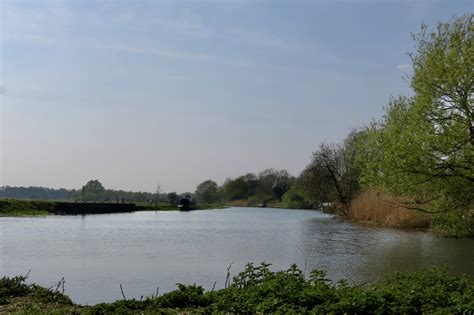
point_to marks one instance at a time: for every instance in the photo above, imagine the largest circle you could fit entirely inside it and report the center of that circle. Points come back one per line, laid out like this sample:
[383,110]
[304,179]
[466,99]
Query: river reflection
[143,250]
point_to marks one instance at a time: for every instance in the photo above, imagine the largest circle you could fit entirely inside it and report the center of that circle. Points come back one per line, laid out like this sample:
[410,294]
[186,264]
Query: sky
[140,93]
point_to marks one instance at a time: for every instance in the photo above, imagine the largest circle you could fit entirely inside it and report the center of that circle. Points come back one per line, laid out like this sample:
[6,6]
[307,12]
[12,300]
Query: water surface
[144,250]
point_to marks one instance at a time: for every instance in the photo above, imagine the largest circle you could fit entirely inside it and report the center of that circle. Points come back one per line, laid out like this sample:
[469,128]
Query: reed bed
[382,209]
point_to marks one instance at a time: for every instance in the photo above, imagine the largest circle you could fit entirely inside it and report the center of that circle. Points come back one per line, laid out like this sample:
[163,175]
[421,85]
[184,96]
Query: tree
[207,192]
[173,198]
[94,186]
[443,79]
[333,174]
[315,184]
[423,147]
[93,190]
[240,188]
[158,191]
[274,182]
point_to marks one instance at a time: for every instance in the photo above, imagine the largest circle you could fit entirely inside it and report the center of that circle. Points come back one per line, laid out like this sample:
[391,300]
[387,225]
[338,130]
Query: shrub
[257,289]
[455,224]
[12,287]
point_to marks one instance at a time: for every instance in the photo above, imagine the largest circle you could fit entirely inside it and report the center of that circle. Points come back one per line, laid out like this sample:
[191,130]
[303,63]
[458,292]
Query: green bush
[454,224]
[257,289]
[11,287]
[118,307]
[294,199]
[25,207]
[186,296]
[427,291]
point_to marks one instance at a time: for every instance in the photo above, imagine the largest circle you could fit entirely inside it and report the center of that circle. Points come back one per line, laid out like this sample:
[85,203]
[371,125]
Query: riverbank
[384,210]
[251,203]
[259,290]
[15,207]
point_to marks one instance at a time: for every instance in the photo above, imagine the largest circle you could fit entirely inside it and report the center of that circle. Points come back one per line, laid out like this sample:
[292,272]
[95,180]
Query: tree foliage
[241,187]
[274,182]
[32,192]
[295,198]
[269,184]
[93,189]
[443,79]
[172,198]
[206,192]
[333,174]
[423,146]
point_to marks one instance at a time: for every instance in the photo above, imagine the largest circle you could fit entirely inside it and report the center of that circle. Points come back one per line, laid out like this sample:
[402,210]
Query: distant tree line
[92,191]
[32,192]
[267,186]
[332,177]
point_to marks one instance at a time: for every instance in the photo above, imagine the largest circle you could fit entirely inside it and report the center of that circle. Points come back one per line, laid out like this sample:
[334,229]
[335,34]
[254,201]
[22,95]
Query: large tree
[423,147]
[93,190]
[333,174]
[443,78]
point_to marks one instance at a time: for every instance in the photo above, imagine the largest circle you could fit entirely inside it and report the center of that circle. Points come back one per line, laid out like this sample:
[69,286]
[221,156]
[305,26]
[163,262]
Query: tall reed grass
[380,208]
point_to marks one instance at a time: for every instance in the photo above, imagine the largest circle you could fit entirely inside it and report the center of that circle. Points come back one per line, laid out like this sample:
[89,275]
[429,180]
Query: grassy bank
[259,290]
[14,207]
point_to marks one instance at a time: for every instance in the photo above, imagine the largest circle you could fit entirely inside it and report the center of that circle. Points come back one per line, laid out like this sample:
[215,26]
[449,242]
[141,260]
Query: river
[145,250]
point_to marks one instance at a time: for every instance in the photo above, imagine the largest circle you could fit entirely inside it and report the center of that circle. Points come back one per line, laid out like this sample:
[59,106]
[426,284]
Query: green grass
[259,290]
[14,207]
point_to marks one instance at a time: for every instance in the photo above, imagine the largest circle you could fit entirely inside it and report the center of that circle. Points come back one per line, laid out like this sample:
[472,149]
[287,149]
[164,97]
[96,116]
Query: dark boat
[186,204]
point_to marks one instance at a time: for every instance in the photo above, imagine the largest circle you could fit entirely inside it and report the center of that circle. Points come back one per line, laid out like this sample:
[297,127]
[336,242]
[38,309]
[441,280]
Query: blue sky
[136,93]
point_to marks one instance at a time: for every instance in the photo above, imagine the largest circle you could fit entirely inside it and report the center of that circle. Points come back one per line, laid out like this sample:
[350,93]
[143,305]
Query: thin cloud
[46,27]
[160,52]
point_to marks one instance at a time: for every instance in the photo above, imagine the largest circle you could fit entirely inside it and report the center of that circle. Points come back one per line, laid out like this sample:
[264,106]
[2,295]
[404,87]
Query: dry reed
[380,208]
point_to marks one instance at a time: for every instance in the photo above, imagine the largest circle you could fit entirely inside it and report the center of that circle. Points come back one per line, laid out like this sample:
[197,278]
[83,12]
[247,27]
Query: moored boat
[186,204]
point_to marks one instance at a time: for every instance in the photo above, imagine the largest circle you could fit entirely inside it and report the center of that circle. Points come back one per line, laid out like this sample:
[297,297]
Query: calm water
[143,250]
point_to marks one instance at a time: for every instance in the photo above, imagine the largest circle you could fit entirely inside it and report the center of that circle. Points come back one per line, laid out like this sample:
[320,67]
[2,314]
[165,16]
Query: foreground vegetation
[259,290]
